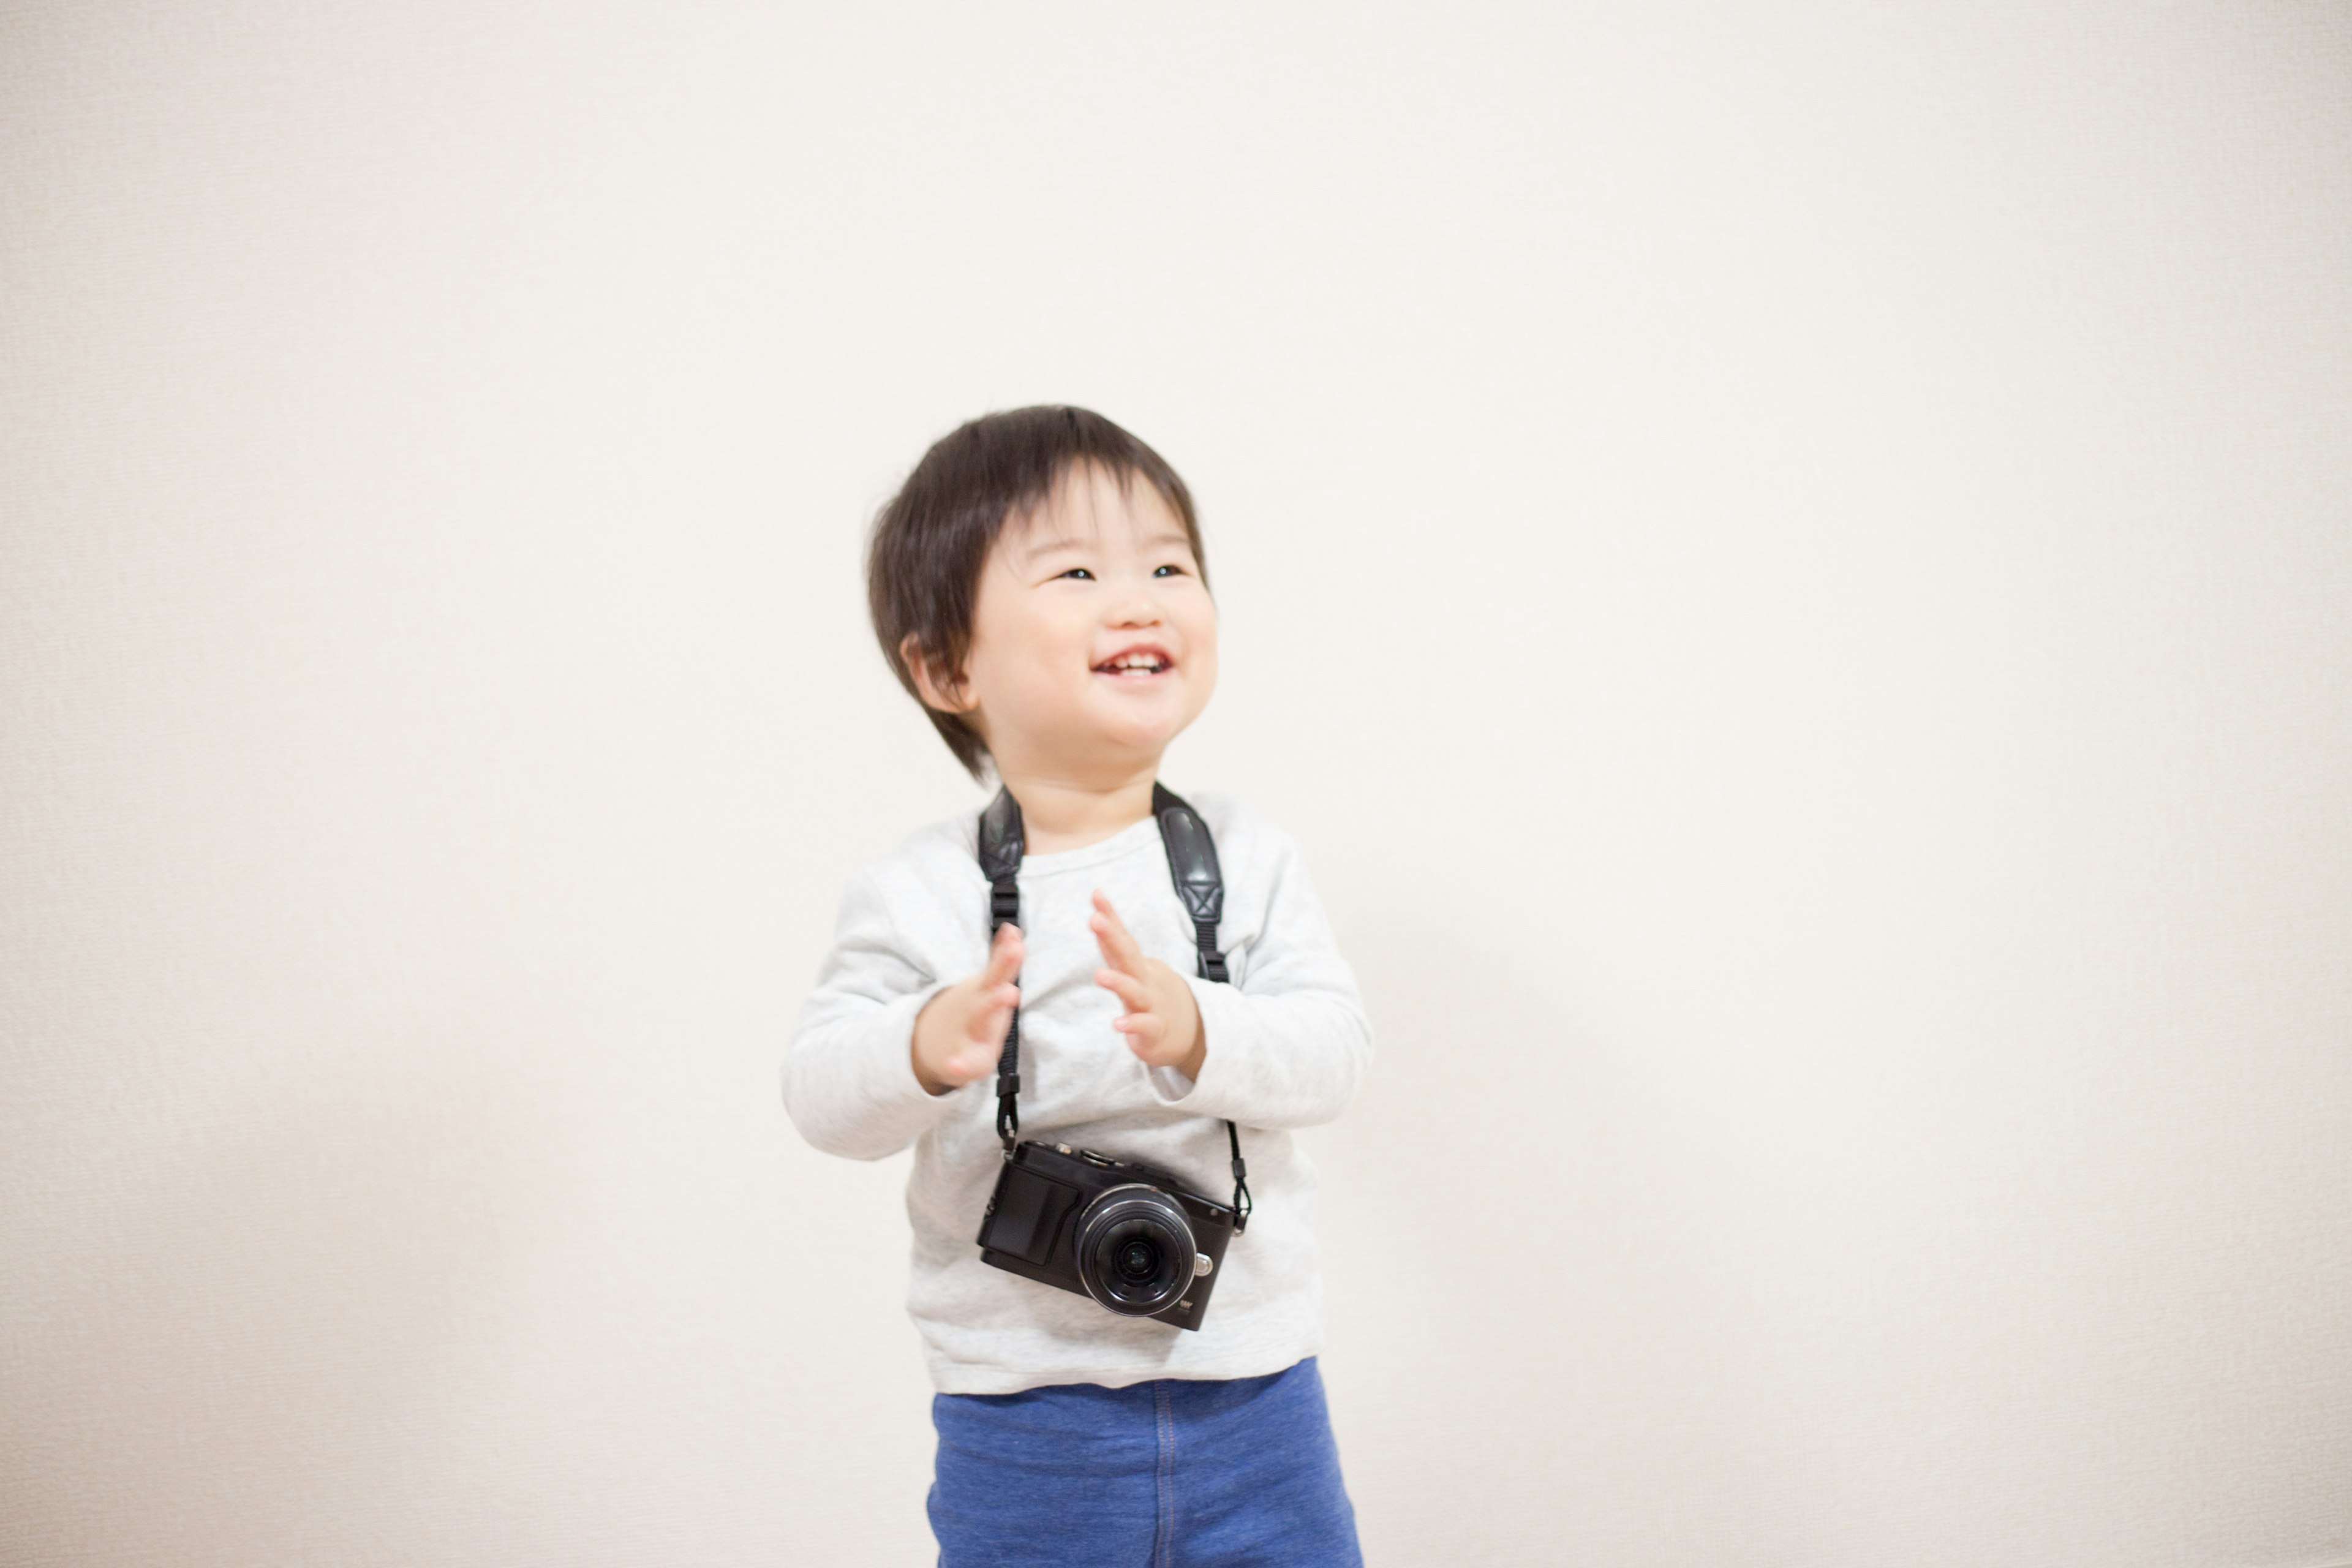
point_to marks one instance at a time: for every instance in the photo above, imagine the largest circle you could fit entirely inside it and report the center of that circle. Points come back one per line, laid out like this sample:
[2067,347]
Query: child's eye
[1167,572]
[1080,573]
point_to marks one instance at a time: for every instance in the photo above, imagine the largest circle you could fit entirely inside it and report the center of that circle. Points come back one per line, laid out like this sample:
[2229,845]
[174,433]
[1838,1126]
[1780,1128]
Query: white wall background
[1793,573]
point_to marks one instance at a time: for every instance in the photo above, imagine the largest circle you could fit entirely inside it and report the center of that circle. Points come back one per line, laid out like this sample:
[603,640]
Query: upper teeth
[1136,661]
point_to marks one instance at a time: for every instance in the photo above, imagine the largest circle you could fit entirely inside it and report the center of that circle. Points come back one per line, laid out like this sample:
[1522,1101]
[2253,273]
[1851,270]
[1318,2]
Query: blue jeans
[1175,1473]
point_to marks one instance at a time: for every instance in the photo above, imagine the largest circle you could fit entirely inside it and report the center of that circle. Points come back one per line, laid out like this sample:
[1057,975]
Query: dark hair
[930,540]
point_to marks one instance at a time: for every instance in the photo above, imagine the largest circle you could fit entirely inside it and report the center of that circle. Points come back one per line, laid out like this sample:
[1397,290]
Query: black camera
[1133,1238]
[1127,1235]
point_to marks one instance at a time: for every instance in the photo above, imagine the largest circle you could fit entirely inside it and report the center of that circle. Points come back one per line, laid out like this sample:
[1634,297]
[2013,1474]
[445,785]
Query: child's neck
[1063,811]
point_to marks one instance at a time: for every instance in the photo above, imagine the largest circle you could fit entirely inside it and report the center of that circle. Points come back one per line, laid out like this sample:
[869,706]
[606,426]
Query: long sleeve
[1288,1045]
[849,1083]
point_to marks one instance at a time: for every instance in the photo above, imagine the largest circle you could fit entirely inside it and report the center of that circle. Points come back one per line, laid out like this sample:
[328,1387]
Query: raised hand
[962,1028]
[1162,1022]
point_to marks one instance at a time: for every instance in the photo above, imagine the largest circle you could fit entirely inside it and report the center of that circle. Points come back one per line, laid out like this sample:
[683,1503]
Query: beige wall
[1793,575]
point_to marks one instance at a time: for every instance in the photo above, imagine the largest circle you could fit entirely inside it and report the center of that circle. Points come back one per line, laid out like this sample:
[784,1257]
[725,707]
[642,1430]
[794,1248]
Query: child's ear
[937,688]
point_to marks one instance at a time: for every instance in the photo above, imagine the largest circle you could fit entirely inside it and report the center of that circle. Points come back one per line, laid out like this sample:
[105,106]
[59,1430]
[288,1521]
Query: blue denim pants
[1180,1473]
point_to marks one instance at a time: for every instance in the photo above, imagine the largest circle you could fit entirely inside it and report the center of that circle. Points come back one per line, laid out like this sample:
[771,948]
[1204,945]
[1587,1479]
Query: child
[1038,586]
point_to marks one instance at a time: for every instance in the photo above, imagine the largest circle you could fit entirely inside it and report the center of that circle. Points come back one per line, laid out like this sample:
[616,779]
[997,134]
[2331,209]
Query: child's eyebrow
[1038,550]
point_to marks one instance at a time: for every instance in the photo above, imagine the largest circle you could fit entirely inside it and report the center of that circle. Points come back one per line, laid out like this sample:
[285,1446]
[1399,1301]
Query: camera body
[1131,1236]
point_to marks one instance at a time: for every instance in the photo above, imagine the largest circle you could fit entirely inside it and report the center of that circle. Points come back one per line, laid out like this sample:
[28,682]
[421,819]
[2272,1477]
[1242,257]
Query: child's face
[1094,640]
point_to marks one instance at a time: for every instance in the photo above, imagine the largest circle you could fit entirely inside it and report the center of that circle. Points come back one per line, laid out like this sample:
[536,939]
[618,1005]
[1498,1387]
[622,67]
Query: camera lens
[1135,1250]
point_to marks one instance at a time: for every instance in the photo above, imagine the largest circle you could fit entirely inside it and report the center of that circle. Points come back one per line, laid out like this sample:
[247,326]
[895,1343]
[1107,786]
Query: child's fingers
[977,1053]
[993,1017]
[966,1060]
[968,1063]
[1118,948]
[1143,1030]
[1004,956]
[1126,988]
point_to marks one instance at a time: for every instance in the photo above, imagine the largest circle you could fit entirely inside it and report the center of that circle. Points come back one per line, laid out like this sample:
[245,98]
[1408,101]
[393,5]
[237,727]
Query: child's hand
[1162,1022]
[960,1029]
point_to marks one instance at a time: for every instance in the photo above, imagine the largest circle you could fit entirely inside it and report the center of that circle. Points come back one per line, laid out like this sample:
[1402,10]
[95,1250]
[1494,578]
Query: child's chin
[1137,733]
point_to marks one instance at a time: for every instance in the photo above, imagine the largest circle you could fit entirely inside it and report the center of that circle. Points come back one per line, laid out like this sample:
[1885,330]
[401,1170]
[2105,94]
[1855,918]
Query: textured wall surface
[1793,572]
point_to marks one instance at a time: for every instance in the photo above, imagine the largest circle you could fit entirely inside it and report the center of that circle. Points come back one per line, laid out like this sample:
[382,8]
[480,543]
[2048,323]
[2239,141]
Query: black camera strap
[1192,863]
[999,862]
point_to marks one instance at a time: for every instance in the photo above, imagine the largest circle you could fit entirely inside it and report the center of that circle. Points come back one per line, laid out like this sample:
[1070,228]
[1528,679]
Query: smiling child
[1038,586]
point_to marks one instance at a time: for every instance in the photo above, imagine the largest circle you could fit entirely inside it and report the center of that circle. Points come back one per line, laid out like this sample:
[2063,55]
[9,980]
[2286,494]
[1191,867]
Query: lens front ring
[1135,1250]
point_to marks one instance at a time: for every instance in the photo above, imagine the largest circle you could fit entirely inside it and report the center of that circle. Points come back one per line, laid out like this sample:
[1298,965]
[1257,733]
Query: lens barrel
[1135,1249]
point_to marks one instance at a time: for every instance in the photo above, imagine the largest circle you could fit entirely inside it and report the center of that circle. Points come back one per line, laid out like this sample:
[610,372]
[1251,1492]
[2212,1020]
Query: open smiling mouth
[1136,665]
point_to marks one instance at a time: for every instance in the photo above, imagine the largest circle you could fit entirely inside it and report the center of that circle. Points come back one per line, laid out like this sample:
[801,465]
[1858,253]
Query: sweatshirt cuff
[885,1075]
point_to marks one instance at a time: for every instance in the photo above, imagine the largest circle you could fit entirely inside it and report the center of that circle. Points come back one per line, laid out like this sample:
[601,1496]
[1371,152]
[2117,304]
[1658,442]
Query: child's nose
[1136,608]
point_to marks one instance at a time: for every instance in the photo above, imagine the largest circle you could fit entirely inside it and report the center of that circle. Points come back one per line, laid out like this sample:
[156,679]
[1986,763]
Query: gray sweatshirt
[1287,1044]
